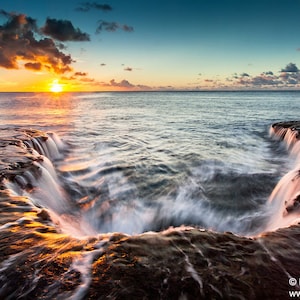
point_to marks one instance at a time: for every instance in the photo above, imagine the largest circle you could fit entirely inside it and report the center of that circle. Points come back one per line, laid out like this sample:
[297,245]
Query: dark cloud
[86,6]
[17,23]
[80,74]
[33,66]
[61,46]
[102,65]
[259,81]
[112,27]
[18,44]
[268,73]
[245,75]
[128,69]
[289,76]
[290,68]
[5,13]
[107,26]
[263,80]
[63,30]
[127,28]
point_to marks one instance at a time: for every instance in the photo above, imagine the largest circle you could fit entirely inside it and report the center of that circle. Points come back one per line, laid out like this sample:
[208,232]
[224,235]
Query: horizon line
[159,91]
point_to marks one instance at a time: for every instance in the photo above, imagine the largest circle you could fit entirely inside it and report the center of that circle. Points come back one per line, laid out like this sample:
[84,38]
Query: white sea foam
[148,161]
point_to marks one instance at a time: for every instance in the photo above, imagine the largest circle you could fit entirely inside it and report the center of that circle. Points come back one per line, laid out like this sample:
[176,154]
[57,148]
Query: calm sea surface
[147,161]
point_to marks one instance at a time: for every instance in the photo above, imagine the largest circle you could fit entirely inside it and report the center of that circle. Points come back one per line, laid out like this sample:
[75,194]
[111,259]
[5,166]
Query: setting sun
[56,87]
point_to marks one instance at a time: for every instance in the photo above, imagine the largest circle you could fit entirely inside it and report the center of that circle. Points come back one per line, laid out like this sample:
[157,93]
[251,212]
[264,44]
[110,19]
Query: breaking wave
[87,196]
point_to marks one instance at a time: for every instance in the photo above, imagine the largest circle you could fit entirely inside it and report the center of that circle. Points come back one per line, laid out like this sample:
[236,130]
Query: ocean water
[162,159]
[134,163]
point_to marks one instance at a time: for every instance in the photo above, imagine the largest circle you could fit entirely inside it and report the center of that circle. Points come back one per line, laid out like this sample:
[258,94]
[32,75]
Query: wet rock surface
[38,262]
[15,155]
[294,125]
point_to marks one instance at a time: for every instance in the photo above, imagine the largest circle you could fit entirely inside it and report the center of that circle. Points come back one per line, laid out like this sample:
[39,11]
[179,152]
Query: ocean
[91,183]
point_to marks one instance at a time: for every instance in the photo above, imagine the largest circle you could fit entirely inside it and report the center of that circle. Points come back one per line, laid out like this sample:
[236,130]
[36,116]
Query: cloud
[86,6]
[268,73]
[128,69]
[258,81]
[63,30]
[33,66]
[102,65]
[127,28]
[112,27]
[123,84]
[289,76]
[245,75]
[290,68]
[87,80]
[18,44]
[265,80]
[80,74]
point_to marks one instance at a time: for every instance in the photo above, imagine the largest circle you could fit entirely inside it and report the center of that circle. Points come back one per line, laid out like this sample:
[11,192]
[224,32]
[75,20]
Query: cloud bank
[19,44]
[125,85]
[289,76]
[25,45]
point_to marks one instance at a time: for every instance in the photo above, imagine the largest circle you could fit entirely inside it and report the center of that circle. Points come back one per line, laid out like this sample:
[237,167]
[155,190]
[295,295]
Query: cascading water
[99,215]
[85,199]
[78,206]
[284,202]
[87,196]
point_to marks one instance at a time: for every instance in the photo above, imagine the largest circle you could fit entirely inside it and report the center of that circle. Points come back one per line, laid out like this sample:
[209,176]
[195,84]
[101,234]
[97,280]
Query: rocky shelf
[38,262]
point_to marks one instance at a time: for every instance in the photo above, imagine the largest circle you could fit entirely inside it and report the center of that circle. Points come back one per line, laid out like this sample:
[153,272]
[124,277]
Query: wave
[86,197]
[177,263]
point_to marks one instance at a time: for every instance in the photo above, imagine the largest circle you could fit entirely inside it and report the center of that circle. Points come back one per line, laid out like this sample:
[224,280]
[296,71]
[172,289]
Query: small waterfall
[85,197]
[50,146]
[39,181]
[285,199]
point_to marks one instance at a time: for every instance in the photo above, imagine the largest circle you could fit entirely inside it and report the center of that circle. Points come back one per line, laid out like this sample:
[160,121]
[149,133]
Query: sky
[115,45]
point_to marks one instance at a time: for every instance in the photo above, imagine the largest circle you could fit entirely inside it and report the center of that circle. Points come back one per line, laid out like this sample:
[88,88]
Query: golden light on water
[56,87]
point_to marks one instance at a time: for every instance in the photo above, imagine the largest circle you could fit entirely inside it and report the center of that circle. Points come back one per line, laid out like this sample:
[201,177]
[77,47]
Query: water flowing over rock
[38,261]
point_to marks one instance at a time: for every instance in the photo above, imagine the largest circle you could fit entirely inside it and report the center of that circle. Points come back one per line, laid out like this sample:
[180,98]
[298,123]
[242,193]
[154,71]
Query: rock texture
[37,262]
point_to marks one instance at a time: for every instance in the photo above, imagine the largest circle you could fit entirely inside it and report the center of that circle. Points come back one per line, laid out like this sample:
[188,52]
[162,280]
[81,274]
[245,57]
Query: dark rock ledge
[293,125]
[15,155]
[36,262]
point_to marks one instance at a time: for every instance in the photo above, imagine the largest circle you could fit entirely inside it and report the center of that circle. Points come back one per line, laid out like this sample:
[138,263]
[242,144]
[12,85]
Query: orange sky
[169,45]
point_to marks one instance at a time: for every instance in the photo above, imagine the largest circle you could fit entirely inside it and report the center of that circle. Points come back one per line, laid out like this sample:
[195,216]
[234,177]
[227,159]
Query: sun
[56,87]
